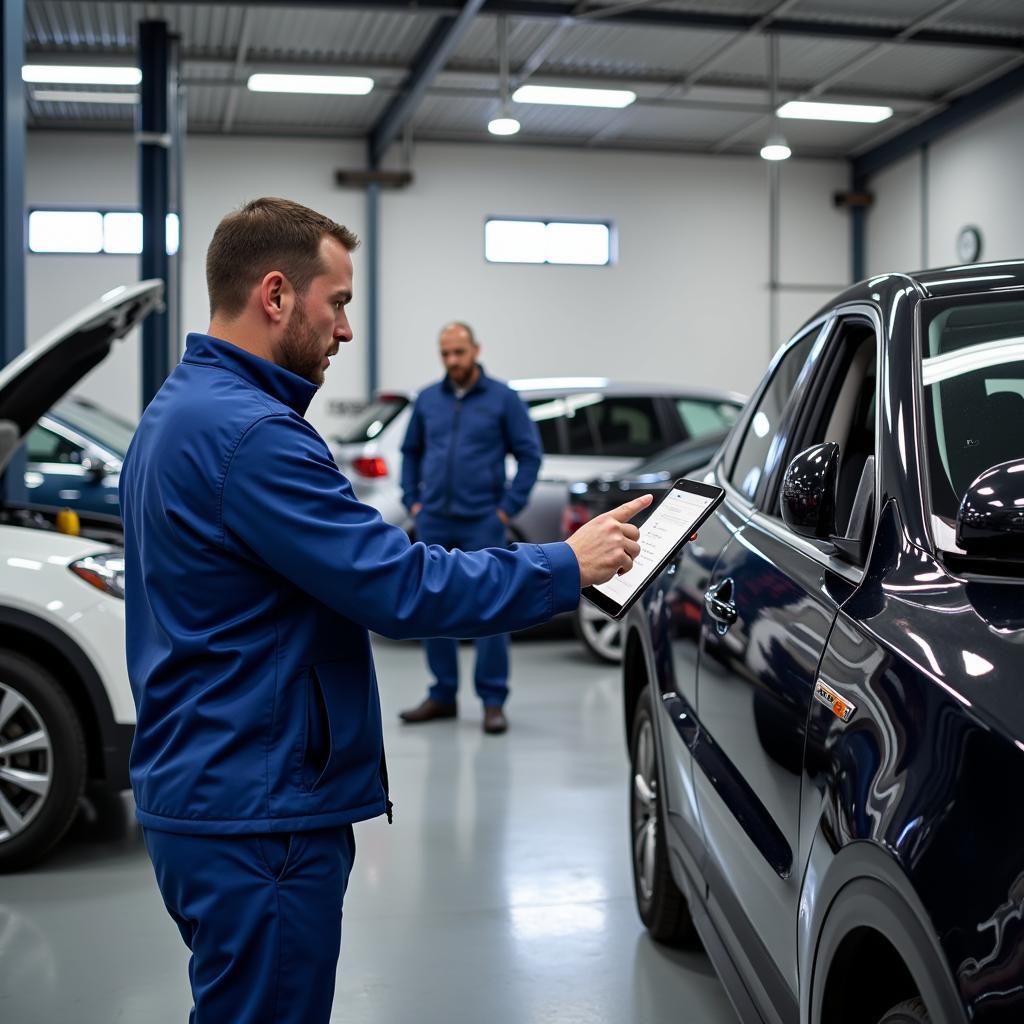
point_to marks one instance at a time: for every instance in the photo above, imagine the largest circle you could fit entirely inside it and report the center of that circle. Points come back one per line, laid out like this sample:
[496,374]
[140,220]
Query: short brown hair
[264,235]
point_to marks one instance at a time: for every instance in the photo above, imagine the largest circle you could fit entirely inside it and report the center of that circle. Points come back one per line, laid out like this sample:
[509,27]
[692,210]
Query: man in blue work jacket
[454,485]
[252,577]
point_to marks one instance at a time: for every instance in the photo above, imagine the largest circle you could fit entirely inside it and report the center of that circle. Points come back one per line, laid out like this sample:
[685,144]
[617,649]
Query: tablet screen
[671,522]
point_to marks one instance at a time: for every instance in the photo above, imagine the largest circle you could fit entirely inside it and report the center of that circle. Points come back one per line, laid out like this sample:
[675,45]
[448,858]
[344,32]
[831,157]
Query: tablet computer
[669,526]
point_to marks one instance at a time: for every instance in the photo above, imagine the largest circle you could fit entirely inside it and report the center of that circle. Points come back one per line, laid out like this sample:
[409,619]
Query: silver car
[589,426]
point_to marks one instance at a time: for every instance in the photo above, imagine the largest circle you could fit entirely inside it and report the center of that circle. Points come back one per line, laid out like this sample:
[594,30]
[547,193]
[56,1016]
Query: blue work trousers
[261,915]
[491,673]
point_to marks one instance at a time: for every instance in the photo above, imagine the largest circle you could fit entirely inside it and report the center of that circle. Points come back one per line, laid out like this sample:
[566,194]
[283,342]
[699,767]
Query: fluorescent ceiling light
[320,85]
[503,126]
[573,97]
[61,74]
[860,112]
[74,96]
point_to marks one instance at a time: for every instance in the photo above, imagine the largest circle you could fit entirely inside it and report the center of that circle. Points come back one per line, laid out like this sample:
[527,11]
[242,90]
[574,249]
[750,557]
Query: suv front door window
[755,456]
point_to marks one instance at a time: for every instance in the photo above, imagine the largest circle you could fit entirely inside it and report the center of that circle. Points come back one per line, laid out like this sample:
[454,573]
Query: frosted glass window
[514,241]
[65,231]
[122,232]
[586,244]
[173,233]
[563,242]
[92,231]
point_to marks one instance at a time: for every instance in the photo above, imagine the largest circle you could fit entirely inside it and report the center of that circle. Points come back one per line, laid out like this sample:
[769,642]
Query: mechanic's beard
[300,350]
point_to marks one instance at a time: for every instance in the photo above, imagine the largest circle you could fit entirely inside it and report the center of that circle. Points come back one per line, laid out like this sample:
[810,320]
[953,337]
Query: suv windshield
[972,375]
[363,422]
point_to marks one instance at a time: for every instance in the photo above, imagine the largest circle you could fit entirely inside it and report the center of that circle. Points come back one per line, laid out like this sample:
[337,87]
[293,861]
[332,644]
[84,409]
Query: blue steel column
[372,289]
[154,137]
[12,210]
[858,228]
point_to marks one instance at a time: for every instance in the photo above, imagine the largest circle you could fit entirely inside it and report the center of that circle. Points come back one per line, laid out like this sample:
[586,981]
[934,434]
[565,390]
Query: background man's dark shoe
[428,711]
[495,720]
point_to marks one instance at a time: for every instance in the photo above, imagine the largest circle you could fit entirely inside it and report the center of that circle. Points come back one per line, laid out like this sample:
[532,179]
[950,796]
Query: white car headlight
[104,572]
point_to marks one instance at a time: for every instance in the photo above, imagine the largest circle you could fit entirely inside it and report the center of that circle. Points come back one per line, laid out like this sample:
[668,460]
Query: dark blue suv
[824,696]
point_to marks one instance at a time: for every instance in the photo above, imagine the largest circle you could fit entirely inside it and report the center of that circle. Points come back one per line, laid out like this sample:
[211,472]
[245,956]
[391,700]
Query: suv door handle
[720,605]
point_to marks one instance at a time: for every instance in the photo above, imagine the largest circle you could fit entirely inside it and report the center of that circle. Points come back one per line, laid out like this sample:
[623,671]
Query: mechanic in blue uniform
[252,576]
[455,487]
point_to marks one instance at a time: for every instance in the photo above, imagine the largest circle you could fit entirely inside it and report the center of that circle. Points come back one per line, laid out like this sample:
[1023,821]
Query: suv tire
[911,1011]
[661,905]
[42,762]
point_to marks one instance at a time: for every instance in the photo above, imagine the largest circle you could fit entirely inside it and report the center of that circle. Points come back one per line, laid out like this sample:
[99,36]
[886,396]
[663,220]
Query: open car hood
[40,376]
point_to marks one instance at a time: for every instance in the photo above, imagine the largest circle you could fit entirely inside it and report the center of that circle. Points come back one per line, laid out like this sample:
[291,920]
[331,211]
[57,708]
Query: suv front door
[772,601]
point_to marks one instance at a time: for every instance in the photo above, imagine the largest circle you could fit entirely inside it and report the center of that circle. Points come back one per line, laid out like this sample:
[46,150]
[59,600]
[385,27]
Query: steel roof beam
[430,60]
[912,31]
[960,111]
[713,20]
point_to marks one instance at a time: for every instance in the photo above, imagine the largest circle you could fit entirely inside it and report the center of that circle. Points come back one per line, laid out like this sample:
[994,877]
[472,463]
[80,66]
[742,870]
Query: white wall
[974,178]
[686,301]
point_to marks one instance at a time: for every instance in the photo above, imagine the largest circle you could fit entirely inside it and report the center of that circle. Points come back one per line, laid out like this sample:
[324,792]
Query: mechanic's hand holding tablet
[675,521]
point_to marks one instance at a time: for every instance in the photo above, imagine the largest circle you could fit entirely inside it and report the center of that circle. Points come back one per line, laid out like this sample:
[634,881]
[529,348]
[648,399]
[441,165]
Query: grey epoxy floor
[501,895]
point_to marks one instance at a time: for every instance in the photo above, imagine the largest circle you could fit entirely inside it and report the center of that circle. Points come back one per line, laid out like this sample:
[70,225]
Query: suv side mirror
[990,522]
[809,492]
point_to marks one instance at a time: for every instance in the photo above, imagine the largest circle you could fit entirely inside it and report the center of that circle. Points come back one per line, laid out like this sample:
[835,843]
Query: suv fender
[106,740]
[862,886]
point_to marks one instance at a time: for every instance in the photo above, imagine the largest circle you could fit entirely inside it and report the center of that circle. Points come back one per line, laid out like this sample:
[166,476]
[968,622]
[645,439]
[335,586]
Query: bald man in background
[455,486]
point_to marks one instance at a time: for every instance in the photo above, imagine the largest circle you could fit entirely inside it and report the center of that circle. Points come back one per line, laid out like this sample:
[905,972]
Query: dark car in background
[823,694]
[602,636]
[74,457]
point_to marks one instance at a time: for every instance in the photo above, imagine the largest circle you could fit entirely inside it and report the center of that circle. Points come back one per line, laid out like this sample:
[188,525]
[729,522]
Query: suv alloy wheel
[662,907]
[42,761]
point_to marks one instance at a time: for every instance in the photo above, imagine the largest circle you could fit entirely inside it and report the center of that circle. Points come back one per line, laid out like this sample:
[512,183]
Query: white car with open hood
[66,709]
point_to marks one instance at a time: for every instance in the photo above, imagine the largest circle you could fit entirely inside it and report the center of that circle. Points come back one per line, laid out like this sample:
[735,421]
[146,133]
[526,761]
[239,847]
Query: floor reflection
[502,894]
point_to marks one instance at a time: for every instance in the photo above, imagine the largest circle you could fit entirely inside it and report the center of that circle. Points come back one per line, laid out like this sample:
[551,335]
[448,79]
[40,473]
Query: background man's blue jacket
[453,456]
[252,576]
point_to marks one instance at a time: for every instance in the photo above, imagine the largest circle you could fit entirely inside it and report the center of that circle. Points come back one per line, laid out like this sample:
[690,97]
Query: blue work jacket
[453,456]
[252,576]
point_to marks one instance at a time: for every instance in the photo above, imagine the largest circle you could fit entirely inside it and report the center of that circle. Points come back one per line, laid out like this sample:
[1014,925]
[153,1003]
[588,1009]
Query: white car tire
[42,762]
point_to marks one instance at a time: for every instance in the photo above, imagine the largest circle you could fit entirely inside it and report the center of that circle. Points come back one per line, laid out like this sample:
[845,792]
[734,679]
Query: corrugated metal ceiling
[657,62]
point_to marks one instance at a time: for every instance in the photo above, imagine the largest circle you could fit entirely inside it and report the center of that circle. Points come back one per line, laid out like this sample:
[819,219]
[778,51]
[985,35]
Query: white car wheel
[601,635]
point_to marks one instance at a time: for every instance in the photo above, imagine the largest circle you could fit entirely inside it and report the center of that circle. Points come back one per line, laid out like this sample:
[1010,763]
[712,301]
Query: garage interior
[503,890]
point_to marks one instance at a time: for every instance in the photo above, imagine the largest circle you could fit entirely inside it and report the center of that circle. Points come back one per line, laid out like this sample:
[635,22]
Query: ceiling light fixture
[61,74]
[73,96]
[812,111]
[503,126]
[317,85]
[574,97]
[775,148]
[504,123]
